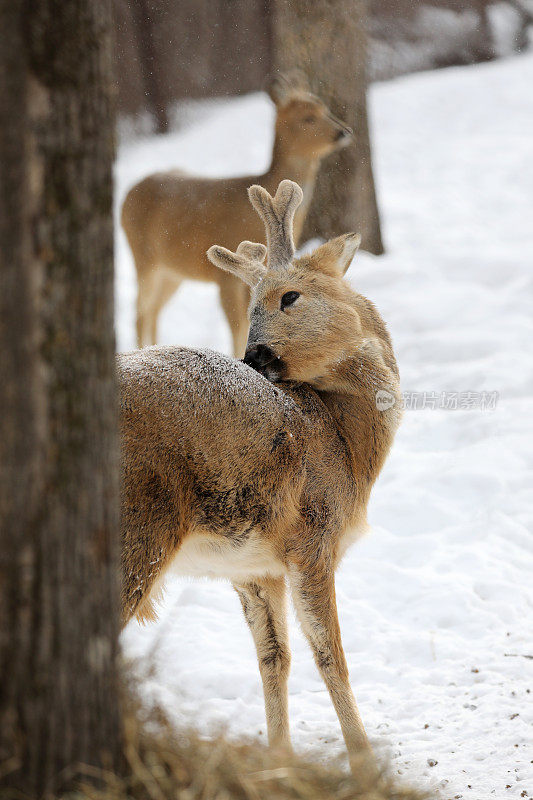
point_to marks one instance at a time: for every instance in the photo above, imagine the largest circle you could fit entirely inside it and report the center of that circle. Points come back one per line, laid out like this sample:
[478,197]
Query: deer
[171,218]
[259,471]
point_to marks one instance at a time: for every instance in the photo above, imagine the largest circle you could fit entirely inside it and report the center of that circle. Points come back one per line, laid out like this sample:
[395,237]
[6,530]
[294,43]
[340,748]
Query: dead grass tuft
[164,765]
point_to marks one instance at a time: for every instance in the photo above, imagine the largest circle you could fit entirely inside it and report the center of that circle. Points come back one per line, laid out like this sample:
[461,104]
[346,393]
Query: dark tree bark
[58,442]
[526,19]
[168,50]
[326,39]
[483,49]
[143,13]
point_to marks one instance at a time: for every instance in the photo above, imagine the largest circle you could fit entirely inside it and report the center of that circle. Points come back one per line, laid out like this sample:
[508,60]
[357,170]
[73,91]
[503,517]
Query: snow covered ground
[436,604]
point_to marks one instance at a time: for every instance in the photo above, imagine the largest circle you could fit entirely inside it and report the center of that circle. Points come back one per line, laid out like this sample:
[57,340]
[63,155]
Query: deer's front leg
[264,606]
[313,593]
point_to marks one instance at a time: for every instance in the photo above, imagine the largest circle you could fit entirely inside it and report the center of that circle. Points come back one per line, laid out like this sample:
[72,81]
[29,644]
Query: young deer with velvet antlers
[171,218]
[260,472]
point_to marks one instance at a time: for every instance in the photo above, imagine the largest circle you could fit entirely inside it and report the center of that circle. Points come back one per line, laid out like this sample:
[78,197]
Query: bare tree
[483,48]
[58,444]
[143,15]
[326,39]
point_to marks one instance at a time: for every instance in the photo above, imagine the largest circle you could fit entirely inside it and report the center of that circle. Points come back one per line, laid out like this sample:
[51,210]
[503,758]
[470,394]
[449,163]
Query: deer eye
[310,120]
[288,299]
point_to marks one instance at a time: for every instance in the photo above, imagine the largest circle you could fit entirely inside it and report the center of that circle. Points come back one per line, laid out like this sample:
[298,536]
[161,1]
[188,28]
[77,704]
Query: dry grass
[164,765]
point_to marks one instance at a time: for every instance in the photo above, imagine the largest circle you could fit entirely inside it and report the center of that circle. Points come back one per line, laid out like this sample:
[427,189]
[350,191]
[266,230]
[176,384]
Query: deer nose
[259,356]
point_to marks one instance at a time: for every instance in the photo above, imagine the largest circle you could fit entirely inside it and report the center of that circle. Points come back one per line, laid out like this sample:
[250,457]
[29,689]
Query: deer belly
[236,558]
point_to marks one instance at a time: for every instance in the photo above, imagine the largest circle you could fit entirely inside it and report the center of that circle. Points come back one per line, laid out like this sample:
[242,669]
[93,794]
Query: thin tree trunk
[483,48]
[150,63]
[326,39]
[58,443]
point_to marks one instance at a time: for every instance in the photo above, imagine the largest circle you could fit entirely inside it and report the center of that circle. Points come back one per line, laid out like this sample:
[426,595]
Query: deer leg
[313,594]
[166,287]
[264,606]
[156,287]
[234,297]
[147,281]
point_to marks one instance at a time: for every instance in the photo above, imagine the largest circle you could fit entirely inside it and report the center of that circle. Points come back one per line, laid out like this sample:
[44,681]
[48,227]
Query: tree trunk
[150,64]
[483,48]
[326,39]
[58,441]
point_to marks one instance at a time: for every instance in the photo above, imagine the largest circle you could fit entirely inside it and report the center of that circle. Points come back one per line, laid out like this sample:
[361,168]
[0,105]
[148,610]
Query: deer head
[306,322]
[304,124]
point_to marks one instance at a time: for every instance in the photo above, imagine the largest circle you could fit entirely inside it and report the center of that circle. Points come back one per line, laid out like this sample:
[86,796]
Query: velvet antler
[246,263]
[277,214]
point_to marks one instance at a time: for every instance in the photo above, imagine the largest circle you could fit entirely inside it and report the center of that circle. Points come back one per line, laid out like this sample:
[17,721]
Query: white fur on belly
[210,556]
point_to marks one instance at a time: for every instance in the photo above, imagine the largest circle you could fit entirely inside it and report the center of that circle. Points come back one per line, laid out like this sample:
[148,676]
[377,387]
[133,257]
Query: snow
[436,603]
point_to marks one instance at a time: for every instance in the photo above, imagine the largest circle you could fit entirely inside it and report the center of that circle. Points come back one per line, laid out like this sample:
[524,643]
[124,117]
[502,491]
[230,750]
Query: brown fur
[171,218]
[263,475]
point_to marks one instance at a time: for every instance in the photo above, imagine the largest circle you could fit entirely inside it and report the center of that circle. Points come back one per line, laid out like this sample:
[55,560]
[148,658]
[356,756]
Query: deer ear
[334,257]
[350,246]
[283,84]
[279,89]
[297,79]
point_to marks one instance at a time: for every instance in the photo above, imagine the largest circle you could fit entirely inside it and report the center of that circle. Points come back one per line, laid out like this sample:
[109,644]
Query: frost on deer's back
[210,399]
[205,374]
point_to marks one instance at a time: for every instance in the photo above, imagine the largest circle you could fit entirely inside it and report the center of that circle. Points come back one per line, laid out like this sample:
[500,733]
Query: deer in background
[171,218]
[260,471]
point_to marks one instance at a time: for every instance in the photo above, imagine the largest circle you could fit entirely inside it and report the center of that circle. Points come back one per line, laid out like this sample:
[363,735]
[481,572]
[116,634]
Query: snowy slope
[436,604]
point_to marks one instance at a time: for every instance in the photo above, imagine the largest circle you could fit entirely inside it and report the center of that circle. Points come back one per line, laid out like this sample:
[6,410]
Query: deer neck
[296,167]
[365,423]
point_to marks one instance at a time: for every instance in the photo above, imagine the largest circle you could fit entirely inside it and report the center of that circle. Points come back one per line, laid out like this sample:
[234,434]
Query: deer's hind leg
[313,591]
[264,606]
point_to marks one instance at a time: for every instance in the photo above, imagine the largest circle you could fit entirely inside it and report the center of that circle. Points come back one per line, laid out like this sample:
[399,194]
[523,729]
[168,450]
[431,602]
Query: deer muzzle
[264,360]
